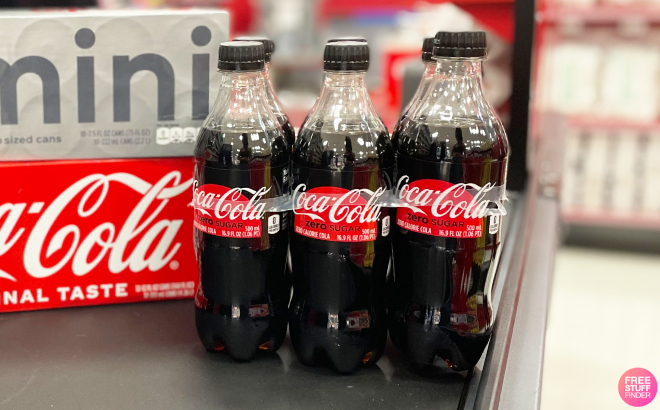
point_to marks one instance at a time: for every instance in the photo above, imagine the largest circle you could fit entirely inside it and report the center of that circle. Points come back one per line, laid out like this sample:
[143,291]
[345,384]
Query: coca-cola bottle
[451,162]
[427,77]
[273,101]
[340,246]
[241,234]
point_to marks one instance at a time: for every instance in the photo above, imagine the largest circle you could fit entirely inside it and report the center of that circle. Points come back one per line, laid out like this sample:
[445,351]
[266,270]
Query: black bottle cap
[427,49]
[269,45]
[241,56]
[462,44]
[346,56]
[349,38]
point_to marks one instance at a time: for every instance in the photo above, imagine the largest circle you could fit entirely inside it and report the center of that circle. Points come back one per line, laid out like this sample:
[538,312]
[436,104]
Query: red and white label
[76,233]
[440,208]
[228,212]
[336,214]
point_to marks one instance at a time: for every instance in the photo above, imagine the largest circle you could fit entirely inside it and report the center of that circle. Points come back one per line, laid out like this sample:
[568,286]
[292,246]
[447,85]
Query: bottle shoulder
[335,150]
[228,147]
[436,140]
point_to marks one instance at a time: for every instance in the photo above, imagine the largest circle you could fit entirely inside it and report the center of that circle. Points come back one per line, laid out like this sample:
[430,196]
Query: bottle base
[343,353]
[421,346]
[241,339]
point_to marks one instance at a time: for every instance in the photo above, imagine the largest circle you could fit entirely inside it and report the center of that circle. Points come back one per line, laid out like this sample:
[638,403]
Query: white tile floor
[604,319]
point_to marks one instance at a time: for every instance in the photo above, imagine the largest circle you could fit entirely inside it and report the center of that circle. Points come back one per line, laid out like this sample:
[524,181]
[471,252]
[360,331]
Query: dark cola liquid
[243,281]
[288,130]
[338,311]
[439,303]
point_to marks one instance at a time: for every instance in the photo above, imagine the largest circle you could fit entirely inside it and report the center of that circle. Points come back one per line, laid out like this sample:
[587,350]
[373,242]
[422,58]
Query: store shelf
[594,123]
[148,356]
[632,220]
[512,374]
[618,239]
[600,124]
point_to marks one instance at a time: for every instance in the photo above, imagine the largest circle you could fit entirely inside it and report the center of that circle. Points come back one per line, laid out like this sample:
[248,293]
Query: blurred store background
[595,106]
[596,92]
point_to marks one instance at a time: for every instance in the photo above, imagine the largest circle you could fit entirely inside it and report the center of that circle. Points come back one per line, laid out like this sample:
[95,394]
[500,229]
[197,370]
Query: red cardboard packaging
[78,233]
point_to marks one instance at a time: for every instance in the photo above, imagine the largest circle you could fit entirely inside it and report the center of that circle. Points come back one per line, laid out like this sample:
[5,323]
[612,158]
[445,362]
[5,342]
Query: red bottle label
[336,214]
[440,208]
[228,212]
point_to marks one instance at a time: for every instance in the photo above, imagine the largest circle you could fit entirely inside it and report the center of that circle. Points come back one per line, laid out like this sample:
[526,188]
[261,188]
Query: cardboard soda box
[77,233]
[106,84]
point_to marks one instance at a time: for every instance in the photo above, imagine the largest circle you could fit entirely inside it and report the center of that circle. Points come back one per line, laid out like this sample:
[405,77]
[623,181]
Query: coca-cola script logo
[131,246]
[228,212]
[337,214]
[440,208]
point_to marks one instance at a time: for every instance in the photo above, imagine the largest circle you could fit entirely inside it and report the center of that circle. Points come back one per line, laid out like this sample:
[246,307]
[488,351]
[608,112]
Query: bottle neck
[459,69]
[353,79]
[242,101]
[273,101]
[427,79]
[266,71]
[242,79]
[455,92]
[245,88]
[242,82]
[458,82]
[429,69]
[344,105]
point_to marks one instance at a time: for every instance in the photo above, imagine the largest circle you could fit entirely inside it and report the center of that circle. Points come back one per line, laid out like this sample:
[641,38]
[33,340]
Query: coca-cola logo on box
[87,232]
